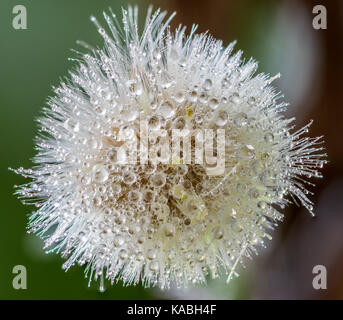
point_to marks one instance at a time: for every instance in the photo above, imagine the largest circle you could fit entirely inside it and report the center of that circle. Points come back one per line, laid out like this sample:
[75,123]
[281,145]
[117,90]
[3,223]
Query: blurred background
[279,34]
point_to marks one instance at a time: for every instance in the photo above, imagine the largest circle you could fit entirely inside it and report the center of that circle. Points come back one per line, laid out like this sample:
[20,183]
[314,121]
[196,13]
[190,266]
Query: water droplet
[207,84]
[193,96]
[235,98]
[100,173]
[213,104]
[123,254]
[179,97]
[179,123]
[118,241]
[157,54]
[221,118]
[166,110]
[169,230]
[134,196]
[218,233]
[130,113]
[135,87]
[251,101]
[117,155]
[129,178]
[262,205]
[151,254]
[269,137]
[241,119]
[159,179]
[182,62]
[203,98]
[153,266]
[86,180]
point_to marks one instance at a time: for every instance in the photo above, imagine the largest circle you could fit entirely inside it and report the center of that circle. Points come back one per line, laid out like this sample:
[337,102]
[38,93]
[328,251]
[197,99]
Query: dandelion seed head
[163,223]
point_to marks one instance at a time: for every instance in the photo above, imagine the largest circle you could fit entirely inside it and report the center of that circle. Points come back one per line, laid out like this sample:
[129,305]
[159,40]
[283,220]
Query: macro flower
[112,193]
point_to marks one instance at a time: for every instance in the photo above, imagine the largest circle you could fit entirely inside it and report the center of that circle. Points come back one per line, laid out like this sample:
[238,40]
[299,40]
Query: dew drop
[169,230]
[123,254]
[241,119]
[154,123]
[207,84]
[220,118]
[118,241]
[166,110]
[151,254]
[213,103]
[269,137]
[193,96]
[235,98]
[153,266]
[101,174]
[159,179]
[179,97]
[86,180]
[157,54]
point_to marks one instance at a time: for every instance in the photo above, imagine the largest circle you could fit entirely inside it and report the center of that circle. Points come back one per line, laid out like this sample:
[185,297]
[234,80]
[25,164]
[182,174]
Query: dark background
[280,35]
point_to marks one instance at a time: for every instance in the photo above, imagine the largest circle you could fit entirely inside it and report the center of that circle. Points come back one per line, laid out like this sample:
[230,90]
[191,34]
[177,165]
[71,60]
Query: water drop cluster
[161,223]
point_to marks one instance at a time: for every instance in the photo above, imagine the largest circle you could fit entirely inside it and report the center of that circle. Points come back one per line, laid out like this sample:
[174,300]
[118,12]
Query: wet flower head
[158,217]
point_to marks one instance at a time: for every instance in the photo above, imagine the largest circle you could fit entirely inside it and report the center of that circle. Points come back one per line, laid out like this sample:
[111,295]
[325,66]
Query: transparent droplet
[179,123]
[123,254]
[207,84]
[159,179]
[157,54]
[251,101]
[166,110]
[116,188]
[117,155]
[218,233]
[203,98]
[101,174]
[213,103]
[193,96]
[234,98]
[129,114]
[118,240]
[183,62]
[179,97]
[92,143]
[151,254]
[86,180]
[129,178]
[134,196]
[135,87]
[241,119]
[262,205]
[220,118]
[169,230]
[154,123]
[269,137]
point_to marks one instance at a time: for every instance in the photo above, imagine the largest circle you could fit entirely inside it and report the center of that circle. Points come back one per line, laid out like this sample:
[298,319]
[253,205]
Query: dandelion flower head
[166,222]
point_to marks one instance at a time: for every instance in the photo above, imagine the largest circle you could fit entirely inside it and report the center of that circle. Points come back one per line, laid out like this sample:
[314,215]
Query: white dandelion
[163,223]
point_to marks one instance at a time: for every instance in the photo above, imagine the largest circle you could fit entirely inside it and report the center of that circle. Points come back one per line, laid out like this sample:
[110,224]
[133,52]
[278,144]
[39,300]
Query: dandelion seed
[158,223]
